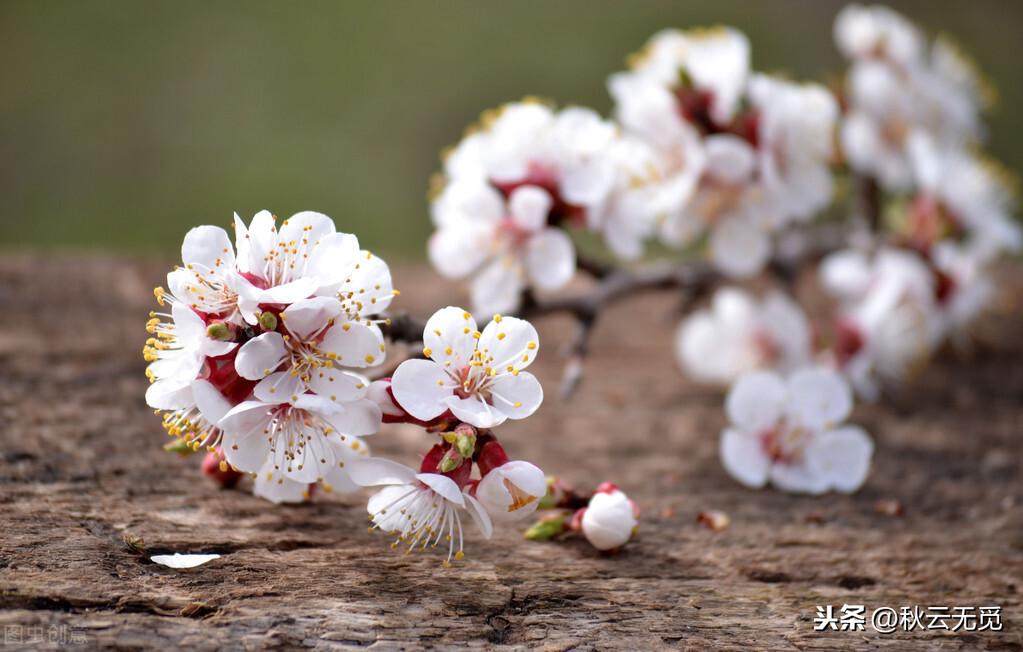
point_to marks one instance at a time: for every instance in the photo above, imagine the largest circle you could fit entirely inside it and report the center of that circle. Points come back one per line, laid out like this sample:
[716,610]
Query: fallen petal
[177,560]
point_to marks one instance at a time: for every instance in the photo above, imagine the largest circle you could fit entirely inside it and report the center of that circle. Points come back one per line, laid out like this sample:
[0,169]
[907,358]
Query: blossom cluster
[260,357]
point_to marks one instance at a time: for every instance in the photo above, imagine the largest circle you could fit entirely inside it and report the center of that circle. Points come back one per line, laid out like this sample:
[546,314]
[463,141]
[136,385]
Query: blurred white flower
[505,245]
[476,376]
[738,155]
[610,519]
[737,333]
[421,509]
[789,433]
[897,90]
[888,304]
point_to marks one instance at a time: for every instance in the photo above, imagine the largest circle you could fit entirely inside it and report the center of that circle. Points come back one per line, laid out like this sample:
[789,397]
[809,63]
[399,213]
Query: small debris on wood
[889,507]
[134,542]
[713,520]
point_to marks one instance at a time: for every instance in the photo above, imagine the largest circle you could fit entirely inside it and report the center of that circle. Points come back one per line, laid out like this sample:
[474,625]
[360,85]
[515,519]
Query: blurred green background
[123,123]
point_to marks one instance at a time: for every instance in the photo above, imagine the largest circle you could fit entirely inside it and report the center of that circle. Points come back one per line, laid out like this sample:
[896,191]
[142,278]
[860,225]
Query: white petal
[177,560]
[460,250]
[376,471]
[355,344]
[730,159]
[333,257]
[529,207]
[744,458]
[517,396]
[278,489]
[210,401]
[756,401]
[369,283]
[479,516]
[262,236]
[842,456]
[260,356]
[245,445]
[739,247]
[550,259]
[444,486]
[279,387]
[358,418]
[306,224]
[818,397]
[308,317]
[209,247]
[289,292]
[498,288]
[169,394]
[337,385]
[495,491]
[798,478]
[510,342]
[449,337]
[474,411]
[419,388]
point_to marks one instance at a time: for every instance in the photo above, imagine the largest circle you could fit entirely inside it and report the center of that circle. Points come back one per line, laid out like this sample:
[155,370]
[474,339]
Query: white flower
[958,191]
[305,439]
[609,520]
[421,509]
[506,246]
[307,257]
[788,432]
[208,280]
[177,353]
[313,341]
[528,143]
[479,377]
[795,128]
[512,491]
[737,334]
[195,415]
[889,301]
[274,485]
[714,63]
[877,32]
[898,90]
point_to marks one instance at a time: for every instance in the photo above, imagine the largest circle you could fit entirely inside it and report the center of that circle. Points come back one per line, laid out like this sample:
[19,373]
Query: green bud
[179,446]
[451,461]
[550,499]
[268,320]
[546,528]
[218,330]
[465,444]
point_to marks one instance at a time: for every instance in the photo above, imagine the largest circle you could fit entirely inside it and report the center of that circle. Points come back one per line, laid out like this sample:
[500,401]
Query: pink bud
[215,466]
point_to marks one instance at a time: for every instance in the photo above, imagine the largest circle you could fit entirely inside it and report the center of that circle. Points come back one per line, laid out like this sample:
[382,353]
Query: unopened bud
[218,330]
[463,439]
[452,460]
[546,528]
[268,320]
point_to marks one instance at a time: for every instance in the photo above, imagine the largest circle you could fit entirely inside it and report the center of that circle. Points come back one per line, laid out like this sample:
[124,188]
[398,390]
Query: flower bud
[218,330]
[512,491]
[268,320]
[452,460]
[610,520]
[546,528]
[215,466]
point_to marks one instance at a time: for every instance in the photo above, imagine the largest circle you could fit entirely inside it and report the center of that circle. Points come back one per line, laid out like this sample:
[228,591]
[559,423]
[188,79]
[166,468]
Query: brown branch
[793,251]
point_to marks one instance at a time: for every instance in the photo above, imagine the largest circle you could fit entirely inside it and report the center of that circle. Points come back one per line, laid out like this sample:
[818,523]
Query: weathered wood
[82,465]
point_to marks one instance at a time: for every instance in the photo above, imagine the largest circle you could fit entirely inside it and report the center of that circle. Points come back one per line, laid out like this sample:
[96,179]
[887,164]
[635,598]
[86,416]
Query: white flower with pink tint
[610,519]
[478,377]
[506,246]
[512,491]
[739,333]
[789,432]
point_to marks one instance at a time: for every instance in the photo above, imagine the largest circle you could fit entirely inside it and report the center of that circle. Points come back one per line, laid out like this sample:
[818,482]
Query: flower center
[785,443]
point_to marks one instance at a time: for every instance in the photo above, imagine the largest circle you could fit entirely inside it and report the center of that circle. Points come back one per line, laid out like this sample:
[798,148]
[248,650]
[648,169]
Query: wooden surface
[82,465]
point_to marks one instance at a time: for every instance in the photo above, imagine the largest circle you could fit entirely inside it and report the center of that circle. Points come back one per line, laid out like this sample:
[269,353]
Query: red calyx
[211,468]
[543,177]
[606,488]
[431,464]
[490,455]
[848,340]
